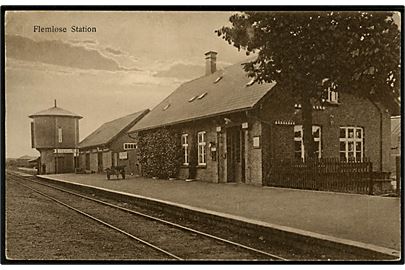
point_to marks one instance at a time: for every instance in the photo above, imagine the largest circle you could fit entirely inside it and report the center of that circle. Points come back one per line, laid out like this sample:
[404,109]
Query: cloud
[57,52]
[86,41]
[182,71]
[115,78]
[114,51]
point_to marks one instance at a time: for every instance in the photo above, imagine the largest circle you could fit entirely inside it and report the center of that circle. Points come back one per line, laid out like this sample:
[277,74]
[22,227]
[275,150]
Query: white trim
[354,140]
[332,96]
[184,144]
[201,157]
[60,138]
[298,128]
[129,146]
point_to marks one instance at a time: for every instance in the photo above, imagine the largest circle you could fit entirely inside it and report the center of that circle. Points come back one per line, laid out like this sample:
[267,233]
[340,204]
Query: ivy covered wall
[160,152]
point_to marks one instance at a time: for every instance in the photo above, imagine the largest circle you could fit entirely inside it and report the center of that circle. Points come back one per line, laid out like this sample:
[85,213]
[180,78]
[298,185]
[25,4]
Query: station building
[55,134]
[110,145]
[236,127]
[395,145]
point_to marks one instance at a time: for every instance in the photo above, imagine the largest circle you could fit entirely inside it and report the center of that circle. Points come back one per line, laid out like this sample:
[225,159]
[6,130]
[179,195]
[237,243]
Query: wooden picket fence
[328,174]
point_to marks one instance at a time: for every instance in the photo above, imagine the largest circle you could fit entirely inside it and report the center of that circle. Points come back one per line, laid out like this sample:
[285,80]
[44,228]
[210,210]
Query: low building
[236,127]
[26,161]
[110,145]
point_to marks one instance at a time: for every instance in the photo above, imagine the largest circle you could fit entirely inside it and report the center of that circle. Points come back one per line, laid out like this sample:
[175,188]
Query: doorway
[87,161]
[235,148]
[64,164]
[100,161]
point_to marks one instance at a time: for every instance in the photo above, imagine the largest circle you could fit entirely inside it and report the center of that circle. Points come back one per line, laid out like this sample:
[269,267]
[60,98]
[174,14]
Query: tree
[308,52]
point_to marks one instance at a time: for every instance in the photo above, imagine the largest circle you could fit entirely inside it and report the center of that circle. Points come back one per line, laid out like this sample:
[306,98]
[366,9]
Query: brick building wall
[208,173]
[217,162]
[117,146]
[253,155]
[351,111]
[272,123]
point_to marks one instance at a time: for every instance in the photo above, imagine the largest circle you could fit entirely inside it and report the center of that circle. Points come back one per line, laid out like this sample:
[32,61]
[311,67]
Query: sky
[133,61]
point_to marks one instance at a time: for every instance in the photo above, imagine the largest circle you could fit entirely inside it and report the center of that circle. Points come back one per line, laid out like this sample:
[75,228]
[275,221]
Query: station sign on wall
[65,151]
[123,155]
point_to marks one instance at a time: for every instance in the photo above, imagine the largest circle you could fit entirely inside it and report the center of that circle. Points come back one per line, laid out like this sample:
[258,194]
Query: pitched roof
[55,111]
[108,131]
[226,91]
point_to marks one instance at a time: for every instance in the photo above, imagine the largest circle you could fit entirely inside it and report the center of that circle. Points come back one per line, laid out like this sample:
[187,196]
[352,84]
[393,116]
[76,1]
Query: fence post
[371,182]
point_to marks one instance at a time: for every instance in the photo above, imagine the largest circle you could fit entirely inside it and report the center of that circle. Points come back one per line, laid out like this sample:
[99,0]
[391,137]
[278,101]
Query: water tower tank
[55,134]
[55,128]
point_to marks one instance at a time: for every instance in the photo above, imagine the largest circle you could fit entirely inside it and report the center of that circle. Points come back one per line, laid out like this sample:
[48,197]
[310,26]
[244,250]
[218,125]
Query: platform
[370,222]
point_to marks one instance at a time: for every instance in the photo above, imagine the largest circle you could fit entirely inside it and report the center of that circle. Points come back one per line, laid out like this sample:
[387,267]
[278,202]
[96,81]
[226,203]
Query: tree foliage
[160,153]
[308,52]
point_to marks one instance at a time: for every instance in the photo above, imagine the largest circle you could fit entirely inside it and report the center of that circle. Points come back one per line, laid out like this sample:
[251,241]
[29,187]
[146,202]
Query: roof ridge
[228,94]
[117,130]
[124,116]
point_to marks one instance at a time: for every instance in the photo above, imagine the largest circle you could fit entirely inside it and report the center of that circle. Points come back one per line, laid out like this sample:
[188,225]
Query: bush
[160,152]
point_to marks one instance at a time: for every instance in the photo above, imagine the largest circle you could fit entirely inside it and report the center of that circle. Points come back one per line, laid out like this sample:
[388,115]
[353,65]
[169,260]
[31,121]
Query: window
[299,143]
[192,99]
[202,95]
[218,79]
[351,141]
[184,144]
[130,146]
[251,82]
[59,135]
[201,148]
[332,96]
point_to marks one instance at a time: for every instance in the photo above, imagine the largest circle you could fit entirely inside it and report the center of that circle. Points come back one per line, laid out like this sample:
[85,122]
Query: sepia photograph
[263,135]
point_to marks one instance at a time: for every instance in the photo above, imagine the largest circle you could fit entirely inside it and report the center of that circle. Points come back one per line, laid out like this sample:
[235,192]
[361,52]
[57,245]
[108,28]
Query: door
[235,150]
[100,161]
[64,164]
[59,164]
[87,161]
[115,159]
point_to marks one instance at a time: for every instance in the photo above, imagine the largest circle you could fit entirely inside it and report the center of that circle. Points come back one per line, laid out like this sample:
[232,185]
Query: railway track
[175,241]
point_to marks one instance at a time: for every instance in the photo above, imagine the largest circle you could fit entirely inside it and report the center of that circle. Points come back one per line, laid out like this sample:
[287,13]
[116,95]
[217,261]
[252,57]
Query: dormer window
[218,79]
[192,99]
[202,95]
[251,82]
[332,96]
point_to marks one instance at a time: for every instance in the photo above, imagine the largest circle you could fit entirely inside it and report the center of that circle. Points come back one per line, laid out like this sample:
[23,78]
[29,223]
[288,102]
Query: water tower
[55,134]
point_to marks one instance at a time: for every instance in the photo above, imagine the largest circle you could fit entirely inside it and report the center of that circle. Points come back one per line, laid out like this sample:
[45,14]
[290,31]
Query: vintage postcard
[202,135]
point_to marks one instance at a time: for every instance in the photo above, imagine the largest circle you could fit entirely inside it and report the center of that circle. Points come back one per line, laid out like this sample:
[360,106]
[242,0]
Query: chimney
[210,62]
